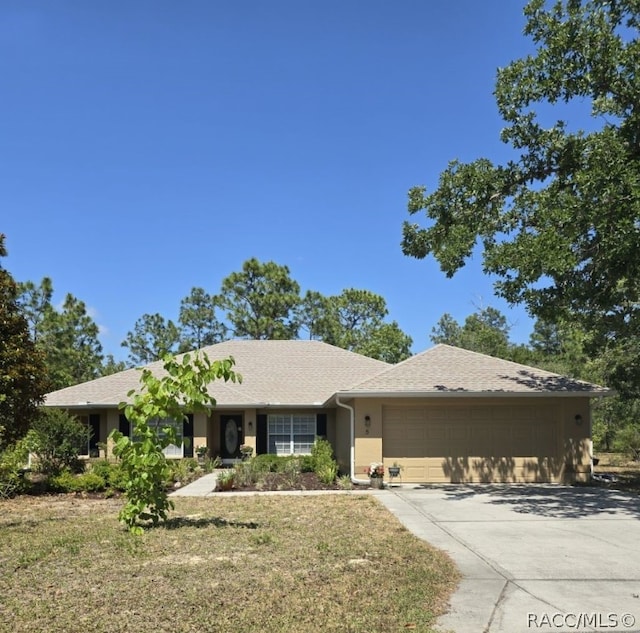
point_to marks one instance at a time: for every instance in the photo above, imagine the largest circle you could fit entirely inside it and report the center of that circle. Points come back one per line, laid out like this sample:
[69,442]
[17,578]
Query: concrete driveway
[533,558]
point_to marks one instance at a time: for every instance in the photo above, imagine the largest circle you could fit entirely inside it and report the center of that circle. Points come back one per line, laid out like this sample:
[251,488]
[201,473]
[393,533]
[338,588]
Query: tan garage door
[480,443]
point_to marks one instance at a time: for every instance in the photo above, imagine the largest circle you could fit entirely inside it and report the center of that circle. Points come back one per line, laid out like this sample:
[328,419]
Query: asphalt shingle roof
[303,373]
[444,369]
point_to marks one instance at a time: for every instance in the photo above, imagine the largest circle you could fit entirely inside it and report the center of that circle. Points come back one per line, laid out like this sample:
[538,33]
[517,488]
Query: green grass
[272,564]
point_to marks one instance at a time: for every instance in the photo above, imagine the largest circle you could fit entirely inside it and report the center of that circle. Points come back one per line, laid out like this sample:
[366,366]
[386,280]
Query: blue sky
[152,146]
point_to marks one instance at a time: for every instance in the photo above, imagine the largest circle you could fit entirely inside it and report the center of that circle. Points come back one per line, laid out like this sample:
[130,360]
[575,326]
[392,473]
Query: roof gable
[287,373]
[448,370]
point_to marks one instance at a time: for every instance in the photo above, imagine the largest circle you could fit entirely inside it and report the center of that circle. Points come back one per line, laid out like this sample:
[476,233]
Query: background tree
[35,301]
[387,343]
[558,224]
[486,331]
[70,341]
[447,331]
[198,321]
[311,313]
[152,337]
[354,320]
[112,366]
[67,337]
[23,381]
[261,301]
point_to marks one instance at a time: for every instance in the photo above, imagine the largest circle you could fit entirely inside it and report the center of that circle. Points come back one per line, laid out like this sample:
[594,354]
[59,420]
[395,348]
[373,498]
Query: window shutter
[321,425]
[124,426]
[94,428]
[261,434]
[187,435]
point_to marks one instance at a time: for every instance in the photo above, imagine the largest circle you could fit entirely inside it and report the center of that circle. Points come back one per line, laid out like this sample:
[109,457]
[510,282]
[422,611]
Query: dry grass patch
[626,471]
[273,564]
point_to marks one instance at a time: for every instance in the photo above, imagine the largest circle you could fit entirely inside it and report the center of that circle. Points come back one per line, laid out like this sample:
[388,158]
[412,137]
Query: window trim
[292,435]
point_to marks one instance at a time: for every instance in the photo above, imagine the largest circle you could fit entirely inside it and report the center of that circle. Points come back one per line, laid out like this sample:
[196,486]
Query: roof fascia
[475,394]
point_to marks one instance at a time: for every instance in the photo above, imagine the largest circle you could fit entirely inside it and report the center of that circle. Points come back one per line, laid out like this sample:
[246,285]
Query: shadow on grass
[175,523]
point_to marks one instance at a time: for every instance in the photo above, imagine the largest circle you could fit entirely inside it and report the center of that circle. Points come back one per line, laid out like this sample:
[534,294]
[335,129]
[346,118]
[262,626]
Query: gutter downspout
[352,456]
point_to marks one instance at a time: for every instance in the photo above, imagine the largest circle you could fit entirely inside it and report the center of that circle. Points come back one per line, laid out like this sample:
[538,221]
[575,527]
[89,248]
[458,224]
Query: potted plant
[225,479]
[201,452]
[246,451]
[394,470]
[375,470]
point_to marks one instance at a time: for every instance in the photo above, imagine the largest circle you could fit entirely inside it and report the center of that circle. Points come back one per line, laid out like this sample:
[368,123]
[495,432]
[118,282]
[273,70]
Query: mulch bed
[282,481]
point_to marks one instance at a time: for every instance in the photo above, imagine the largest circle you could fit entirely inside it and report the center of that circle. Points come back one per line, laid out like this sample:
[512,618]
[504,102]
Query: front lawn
[264,564]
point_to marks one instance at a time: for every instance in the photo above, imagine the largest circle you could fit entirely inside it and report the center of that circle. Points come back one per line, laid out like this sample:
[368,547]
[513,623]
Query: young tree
[200,325]
[183,389]
[558,224]
[261,301]
[23,381]
[151,339]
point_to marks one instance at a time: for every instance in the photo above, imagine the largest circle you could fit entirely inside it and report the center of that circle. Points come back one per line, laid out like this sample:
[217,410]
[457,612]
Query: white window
[291,434]
[172,450]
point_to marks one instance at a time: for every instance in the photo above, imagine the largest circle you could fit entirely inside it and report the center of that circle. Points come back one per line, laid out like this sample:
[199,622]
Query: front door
[231,436]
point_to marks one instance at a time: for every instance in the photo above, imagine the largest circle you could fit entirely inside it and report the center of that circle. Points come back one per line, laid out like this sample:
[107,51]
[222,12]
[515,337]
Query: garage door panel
[472,444]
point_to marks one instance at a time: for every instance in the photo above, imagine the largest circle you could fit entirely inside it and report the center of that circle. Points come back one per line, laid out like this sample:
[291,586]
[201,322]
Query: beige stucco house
[445,415]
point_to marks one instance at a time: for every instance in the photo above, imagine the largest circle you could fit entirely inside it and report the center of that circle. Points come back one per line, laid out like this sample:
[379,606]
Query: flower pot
[376,482]
[223,486]
[394,471]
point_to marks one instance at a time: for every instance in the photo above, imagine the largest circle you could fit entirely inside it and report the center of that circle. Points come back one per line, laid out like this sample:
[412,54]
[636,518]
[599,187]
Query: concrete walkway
[201,487]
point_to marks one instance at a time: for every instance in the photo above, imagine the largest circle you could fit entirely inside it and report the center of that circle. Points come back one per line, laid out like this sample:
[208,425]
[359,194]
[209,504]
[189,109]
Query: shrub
[66,481]
[628,441]
[323,463]
[12,463]
[209,465]
[183,470]
[307,464]
[321,453]
[117,478]
[248,472]
[327,473]
[112,473]
[267,463]
[55,439]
